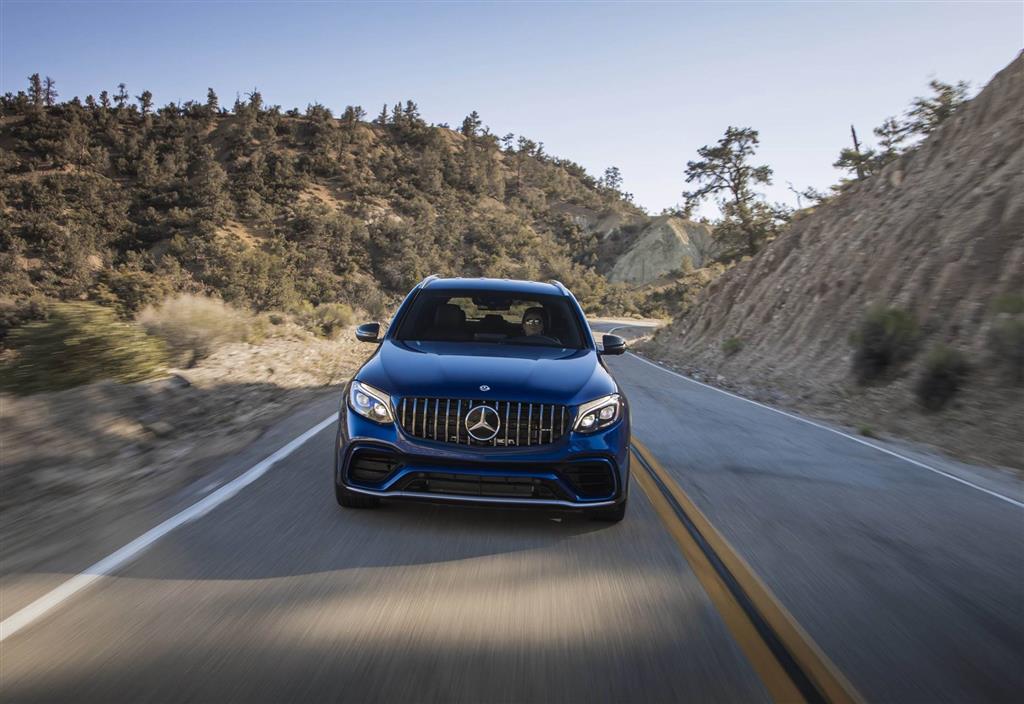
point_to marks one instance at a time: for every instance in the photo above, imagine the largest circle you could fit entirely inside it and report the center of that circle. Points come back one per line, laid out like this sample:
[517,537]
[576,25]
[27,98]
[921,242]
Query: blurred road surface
[910,582]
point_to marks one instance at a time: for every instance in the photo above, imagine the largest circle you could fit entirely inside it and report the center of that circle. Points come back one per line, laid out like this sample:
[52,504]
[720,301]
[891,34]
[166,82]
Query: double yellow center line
[789,663]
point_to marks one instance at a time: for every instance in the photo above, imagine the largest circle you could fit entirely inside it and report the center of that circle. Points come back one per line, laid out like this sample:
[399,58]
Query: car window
[494,317]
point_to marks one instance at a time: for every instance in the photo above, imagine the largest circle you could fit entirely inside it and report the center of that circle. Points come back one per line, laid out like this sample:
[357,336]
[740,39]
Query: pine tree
[145,102]
[352,115]
[926,114]
[725,169]
[121,99]
[35,90]
[49,92]
[212,103]
[104,100]
[471,124]
[612,179]
[856,160]
[382,119]
[255,100]
[891,134]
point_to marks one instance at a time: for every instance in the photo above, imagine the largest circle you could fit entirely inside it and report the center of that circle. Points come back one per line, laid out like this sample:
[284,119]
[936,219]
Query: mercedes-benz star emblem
[482,423]
[485,387]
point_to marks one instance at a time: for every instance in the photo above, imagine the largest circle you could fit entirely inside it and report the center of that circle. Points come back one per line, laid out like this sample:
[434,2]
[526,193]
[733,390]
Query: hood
[514,373]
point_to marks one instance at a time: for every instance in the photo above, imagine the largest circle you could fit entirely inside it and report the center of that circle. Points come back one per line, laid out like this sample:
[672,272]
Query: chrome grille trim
[533,423]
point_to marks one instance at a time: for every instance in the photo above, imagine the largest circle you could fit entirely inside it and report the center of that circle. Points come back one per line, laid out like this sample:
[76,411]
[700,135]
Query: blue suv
[486,391]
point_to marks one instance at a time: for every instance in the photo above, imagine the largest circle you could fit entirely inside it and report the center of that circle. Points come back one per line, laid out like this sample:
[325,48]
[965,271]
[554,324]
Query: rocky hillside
[937,235]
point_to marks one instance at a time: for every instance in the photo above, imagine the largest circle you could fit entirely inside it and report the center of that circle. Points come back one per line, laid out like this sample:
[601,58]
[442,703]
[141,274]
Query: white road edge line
[912,461]
[49,601]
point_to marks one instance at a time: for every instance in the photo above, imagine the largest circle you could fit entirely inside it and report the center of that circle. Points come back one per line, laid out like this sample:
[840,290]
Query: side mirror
[368,332]
[613,344]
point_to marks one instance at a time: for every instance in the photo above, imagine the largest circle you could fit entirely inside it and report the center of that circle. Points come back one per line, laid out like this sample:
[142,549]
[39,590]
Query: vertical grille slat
[529,425]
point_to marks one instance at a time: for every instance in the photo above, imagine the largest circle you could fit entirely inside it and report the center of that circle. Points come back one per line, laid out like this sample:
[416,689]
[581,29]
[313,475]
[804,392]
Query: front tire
[613,514]
[350,499]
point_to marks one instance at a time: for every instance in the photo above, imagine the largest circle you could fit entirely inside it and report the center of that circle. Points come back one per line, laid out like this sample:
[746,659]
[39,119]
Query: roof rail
[559,284]
[427,280]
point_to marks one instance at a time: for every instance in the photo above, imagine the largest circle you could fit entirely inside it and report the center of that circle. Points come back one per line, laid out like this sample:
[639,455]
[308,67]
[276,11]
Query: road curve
[909,582]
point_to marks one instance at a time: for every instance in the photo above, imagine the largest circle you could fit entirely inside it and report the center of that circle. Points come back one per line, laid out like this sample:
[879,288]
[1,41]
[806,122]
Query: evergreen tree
[891,135]
[35,90]
[49,92]
[612,179]
[255,101]
[725,169]
[145,102]
[927,113]
[471,124]
[104,100]
[382,118]
[352,115]
[121,99]
[411,113]
[212,102]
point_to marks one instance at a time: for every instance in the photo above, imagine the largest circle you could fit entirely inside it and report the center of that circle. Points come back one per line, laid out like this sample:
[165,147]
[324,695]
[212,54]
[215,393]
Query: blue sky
[638,85]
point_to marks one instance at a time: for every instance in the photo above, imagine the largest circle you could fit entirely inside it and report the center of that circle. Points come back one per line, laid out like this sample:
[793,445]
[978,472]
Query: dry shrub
[732,346]
[77,344]
[327,319]
[1006,336]
[944,371]
[884,340]
[194,326]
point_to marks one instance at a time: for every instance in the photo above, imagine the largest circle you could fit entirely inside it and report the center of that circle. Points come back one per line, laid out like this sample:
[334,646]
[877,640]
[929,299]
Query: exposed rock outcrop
[661,248]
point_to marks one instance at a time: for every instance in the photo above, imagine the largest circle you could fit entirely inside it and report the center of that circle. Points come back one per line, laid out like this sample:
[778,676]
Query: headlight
[599,413]
[370,403]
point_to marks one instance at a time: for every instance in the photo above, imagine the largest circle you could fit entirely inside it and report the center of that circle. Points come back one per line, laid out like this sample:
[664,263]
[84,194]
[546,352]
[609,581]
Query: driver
[534,321]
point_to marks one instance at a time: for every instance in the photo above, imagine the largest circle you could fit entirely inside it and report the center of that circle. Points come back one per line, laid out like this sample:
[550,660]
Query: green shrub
[732,346]
[1006,336]
[194,326]
[329,319]
[77,344]
[884,340]
[943,373]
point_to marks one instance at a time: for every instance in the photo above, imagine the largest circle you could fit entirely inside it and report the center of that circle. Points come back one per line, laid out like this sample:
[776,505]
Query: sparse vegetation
[329,319]
[923,116]
[127,203]
[1006,336]
[732,346]
[885,339]
[867,431]
[941,377]
[79,343]
[193,326]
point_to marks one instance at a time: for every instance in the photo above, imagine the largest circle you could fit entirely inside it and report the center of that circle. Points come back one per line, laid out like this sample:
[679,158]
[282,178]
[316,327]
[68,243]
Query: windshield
[489,316]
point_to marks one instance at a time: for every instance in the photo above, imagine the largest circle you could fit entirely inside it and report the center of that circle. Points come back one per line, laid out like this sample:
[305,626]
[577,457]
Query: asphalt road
[910,582]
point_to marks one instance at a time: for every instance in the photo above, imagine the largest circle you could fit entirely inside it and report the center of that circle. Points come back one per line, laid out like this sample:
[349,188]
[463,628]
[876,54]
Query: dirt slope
[940,233]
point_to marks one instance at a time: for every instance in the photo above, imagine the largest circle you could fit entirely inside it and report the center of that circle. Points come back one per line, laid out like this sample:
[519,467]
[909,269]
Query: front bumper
[578,471]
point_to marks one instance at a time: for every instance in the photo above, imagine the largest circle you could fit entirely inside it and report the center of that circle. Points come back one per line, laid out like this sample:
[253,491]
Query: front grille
[521,424]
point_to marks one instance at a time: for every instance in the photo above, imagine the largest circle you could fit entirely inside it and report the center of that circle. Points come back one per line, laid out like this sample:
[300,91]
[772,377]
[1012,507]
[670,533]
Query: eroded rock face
[660,248]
